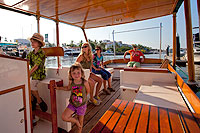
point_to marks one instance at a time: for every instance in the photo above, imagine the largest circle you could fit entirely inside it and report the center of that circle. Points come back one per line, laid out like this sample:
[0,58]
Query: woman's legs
[91,83]
[67,116]
[106,76]
[99,83]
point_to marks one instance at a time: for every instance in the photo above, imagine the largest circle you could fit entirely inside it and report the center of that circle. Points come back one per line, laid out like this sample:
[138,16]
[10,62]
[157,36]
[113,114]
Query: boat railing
[193,100]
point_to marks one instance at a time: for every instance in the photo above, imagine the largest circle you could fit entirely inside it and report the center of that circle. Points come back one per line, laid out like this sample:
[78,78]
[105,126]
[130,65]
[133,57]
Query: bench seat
[161,96]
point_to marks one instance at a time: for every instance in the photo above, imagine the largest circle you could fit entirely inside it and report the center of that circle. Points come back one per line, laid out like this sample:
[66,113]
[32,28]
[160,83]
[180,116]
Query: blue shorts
[104,73]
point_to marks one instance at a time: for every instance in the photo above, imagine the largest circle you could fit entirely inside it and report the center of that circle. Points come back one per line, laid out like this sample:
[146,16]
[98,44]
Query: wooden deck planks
[124,116]
[175,121]
[119,127]
[153,120]
[106,117]
[87,127]
[133,119]
[143,120]
[191,124]
[114,118]
[164,121]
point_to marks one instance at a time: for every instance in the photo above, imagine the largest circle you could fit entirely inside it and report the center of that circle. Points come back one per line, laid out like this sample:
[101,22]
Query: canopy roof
[94,13]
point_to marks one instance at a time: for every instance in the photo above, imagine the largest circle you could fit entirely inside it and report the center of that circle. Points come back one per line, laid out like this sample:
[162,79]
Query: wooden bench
[161,96]
[132,79]
[124,116]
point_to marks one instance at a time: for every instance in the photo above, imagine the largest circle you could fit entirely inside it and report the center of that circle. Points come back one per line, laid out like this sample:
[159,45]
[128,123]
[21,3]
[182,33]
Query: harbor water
[67,61]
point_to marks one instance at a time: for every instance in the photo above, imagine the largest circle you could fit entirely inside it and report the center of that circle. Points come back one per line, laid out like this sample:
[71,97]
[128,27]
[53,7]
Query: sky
[14,26]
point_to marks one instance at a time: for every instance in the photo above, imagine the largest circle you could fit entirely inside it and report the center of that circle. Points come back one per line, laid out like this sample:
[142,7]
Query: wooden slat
[100,125]
[111,123]
[175,121]
[143,121]
[190,122]
[124,118]
[164,121]
[153,120]
[133,119]
[197,117]
[54,51]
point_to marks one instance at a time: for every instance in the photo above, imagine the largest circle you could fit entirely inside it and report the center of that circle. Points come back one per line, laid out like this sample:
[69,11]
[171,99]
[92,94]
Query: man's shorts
[133,63]
[78,110]
[34,84]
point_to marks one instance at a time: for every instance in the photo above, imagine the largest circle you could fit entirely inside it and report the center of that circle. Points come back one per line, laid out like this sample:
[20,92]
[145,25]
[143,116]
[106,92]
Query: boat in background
[71,52]
[196,48]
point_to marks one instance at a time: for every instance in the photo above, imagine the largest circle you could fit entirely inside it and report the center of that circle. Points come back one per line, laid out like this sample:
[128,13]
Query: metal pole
[113,42]
[160,38]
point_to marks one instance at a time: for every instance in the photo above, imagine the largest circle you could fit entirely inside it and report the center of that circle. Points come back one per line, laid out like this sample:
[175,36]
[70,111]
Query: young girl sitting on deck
[78,100]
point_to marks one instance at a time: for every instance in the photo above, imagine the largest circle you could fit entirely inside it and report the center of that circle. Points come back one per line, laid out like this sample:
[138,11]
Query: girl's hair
[74,66]
[89,52]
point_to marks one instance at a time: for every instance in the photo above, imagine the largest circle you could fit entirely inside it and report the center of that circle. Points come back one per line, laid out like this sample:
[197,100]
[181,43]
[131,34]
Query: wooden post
[84,34]
[38,16]
[57,30]
[53,107]
[57,40]
[190,53]
[160,40]
[174,40]
[38,23]
[198,7]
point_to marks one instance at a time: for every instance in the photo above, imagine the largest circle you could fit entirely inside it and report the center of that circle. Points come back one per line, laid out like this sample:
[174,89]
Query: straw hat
[38,37]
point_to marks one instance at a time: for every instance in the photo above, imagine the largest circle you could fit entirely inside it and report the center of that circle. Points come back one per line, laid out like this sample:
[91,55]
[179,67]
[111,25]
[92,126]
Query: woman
[85,58]
[98,69]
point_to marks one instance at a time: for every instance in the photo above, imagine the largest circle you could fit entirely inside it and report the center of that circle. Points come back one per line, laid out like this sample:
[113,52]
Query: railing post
[174,40]
[53,107]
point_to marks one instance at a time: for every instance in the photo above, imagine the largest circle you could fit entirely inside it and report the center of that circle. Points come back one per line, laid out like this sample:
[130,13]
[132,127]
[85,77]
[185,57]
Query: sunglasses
[84,46]
[97,49]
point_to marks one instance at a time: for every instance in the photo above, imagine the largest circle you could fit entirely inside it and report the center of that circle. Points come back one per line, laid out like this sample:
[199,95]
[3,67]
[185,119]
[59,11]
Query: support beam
[160,40]
[174,40]
[57,31]
[38,22]
[84,35]
[198,7]
[38,16]
[190,53]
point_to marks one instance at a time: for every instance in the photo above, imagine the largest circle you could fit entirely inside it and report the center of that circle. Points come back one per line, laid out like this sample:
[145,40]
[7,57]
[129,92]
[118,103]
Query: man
[134,57]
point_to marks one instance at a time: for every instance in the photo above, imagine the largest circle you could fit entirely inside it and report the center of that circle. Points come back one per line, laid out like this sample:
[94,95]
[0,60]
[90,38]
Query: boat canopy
[94,13]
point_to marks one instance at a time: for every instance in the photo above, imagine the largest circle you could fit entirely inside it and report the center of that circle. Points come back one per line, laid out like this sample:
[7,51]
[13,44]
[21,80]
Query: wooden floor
[94,113]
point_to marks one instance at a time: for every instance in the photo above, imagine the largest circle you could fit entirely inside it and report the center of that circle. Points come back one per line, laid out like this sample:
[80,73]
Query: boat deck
[94,113]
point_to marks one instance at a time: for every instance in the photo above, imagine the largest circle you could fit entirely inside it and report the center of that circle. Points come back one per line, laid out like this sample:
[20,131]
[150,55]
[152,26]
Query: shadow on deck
[94,113]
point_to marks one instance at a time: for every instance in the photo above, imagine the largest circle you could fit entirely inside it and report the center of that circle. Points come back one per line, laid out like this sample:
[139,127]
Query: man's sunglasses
[84,46]
[97,49]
